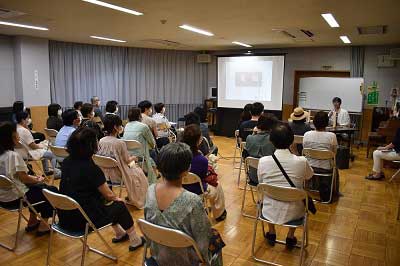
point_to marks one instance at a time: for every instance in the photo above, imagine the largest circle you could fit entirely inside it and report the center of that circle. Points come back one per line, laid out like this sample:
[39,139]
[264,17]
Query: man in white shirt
[298,170]
[338,116]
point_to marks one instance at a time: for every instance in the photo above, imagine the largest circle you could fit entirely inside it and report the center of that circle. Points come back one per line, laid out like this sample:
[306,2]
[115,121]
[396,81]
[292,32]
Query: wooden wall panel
[366,123]
[39,117]
[287,109]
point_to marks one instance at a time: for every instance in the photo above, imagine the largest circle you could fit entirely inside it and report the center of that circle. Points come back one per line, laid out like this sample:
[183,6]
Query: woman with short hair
[192,137]
[54,121]
[133,177]
[168,204]
[84,181]
[298,170]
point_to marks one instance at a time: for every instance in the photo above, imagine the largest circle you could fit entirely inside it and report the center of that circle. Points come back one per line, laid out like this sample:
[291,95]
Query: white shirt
[297,169]
[320,140]
[11,163]
[162,120]
[343,118]
[26,138]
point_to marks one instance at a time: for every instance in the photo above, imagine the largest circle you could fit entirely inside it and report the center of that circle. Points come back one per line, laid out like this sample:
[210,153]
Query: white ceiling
[249,21]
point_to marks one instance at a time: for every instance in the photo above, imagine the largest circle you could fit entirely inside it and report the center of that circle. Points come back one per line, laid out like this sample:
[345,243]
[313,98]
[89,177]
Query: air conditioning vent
[296,35]
[372,30]
[6,13]
[161,43]
[203,58]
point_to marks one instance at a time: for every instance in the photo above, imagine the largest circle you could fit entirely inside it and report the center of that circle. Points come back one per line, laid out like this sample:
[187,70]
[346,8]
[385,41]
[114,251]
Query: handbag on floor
[311,205]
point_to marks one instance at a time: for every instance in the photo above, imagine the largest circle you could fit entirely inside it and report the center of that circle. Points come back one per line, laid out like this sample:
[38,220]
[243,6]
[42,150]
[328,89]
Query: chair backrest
[60,201]
[51,133]
[319,154]
[104,161]
[168,237]
[206,141]
[192,178]
[133,144]
[5,182]
[287,194]
[59,151]
[251,162]
[298,139]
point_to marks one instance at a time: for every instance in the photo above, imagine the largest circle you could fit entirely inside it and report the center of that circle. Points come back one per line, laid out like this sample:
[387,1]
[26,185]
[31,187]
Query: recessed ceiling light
[106,39]
[22,25]
[345,39]
[119,8]
[197,30]
[242,44]
[330,20]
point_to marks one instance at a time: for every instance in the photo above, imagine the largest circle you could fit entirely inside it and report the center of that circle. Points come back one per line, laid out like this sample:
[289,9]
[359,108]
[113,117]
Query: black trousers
[34,195]
[119,214]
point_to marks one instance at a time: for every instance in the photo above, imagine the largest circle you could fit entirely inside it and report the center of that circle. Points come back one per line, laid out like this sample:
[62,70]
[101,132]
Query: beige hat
[299,114]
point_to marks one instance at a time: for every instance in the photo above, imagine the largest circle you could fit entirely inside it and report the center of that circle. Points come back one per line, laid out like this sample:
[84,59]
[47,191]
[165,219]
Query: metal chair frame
[63,202]
[7,182]
[323,155]
[250,162]
[396,174]
[287,194]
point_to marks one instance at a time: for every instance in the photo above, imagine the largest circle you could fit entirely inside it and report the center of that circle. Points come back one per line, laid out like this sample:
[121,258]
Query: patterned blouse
[186,213]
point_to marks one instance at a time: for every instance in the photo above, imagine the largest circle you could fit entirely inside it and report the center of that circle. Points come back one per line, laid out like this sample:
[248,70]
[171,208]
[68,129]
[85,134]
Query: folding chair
[237,146]
[296,141]
[167,237]
[60,152]
[105,162]
[285,194]
[8,184]
[210,149]
[63,202]
[133,145]
[323,155]
[51,135]
[395,174]
[249,163]
[192,178]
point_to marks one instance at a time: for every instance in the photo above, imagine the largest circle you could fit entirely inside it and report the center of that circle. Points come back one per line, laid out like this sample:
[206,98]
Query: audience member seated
[246,128]
[136,130]
[18,107]
[169,205]
[146,107]
[199,166]
[13,166]
[322,140]
[84,181]
[162,124]
[36,151]
[95,100]
[299,123]
[390,152]
[201,112]
[54,121]
[193,119]
[87,121]
[111,108]
[78,106]
[134,178]
[297,169]
[71,121]
[245,115]
[259,145]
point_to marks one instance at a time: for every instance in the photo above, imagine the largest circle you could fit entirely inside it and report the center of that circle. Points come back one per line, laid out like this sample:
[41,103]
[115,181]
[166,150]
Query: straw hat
[299,114]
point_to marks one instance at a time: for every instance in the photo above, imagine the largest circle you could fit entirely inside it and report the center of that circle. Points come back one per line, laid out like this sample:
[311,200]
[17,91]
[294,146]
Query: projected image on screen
[244,79]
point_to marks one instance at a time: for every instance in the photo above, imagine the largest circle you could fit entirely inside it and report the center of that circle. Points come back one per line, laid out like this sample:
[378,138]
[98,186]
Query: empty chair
[65,203]
[284,194]
[251,166]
